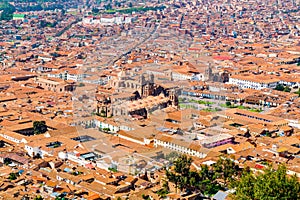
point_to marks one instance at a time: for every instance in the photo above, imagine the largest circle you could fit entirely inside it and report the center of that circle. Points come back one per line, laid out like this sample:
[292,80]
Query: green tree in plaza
[228,103]
[39,127]
[279,87]
[287,89]
[38,198]
[13,176]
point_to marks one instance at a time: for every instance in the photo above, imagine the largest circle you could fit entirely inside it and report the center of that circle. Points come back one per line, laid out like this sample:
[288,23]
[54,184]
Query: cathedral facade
[135,96]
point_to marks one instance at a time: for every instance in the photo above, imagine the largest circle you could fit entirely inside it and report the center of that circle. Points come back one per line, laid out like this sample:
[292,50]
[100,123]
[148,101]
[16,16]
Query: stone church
[134,95]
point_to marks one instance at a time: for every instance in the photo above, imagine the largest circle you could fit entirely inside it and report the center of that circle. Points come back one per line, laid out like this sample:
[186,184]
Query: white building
[108,124]
[191,148]
[13,137]
[253,81]
[291,81]
[177,76]
[66,75]
[108,20]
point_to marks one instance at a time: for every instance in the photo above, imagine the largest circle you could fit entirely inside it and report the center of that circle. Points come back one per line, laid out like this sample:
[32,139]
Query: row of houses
[108,20]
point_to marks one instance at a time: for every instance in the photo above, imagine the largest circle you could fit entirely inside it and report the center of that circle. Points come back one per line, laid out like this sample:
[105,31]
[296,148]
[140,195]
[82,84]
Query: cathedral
[136,95]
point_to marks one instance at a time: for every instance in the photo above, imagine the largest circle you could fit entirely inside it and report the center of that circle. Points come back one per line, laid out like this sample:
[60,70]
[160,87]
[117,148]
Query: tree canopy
[286,89]
[2,143]
[39,127]
[271,184]
[39,197]
[226,170]
[7,11]
[281,87]
[13,176]
[203,180]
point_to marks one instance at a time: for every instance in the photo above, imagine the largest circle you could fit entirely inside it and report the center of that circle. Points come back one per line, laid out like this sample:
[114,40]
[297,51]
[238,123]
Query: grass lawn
[242,107]
[186,106]
[211,109]
[201,102]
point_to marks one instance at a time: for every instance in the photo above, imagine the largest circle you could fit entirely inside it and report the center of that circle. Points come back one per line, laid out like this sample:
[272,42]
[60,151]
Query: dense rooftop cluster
[98,97]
